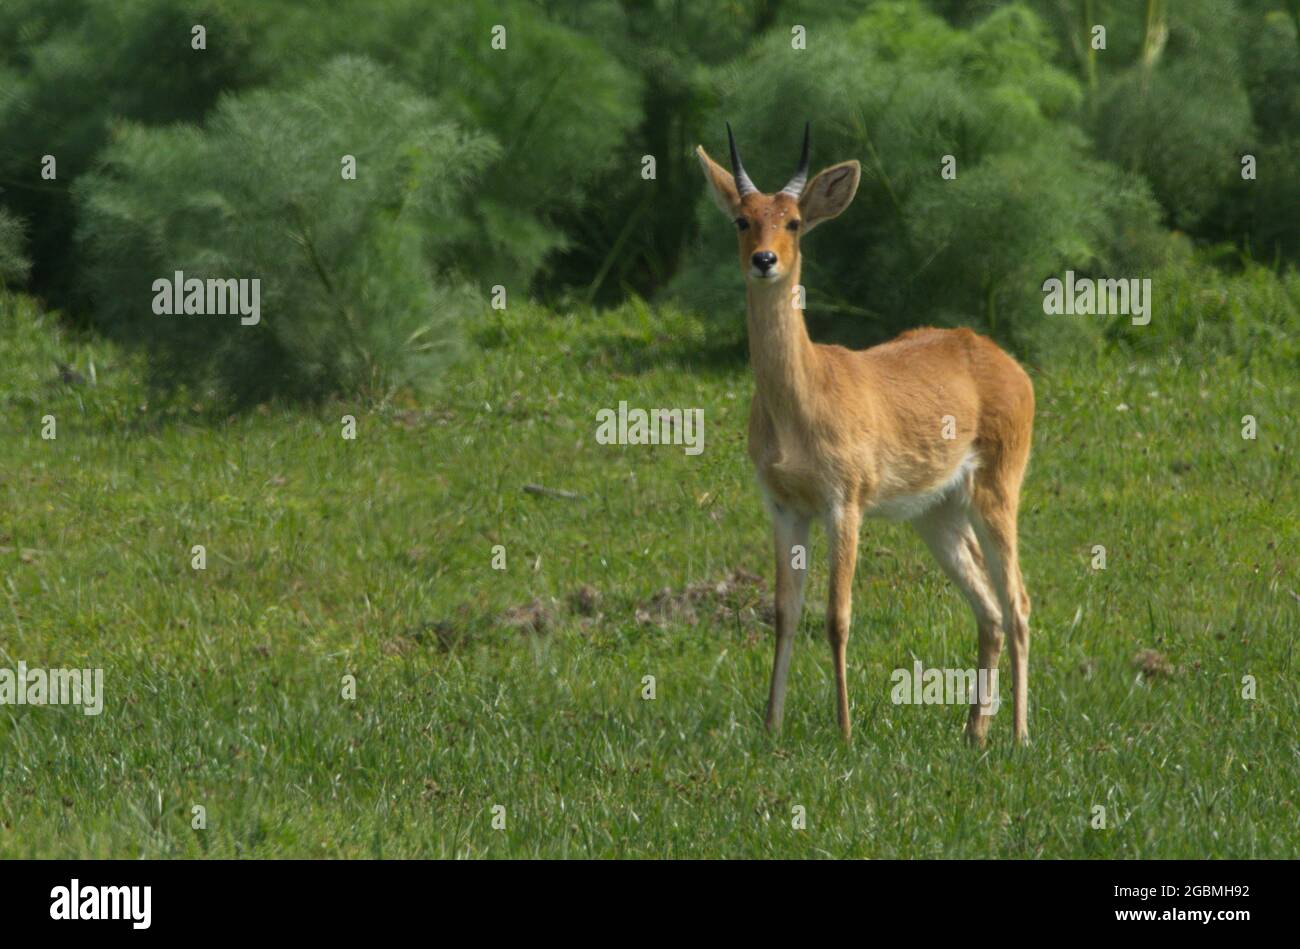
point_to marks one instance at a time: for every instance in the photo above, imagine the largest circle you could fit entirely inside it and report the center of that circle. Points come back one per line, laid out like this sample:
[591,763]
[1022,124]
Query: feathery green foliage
[1261,214]
[1181,93]
[68,70]
[556,100]
[1179,114]
[358,290]
[633,241]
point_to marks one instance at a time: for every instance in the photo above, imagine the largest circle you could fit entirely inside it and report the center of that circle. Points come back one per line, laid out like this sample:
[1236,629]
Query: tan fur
[838,434]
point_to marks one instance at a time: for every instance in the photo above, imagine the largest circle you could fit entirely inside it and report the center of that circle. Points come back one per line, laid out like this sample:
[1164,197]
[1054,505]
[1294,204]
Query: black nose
[764,260]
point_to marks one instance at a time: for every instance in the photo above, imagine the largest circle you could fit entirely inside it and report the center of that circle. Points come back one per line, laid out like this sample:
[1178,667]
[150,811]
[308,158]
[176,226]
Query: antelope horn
[743,185]
[795,187]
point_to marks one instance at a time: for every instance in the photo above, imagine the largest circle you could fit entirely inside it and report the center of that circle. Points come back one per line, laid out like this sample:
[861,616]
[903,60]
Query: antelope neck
[780,352]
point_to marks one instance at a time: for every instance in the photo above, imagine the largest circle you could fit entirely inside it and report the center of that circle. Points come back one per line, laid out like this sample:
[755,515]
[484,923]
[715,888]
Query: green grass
[372,558]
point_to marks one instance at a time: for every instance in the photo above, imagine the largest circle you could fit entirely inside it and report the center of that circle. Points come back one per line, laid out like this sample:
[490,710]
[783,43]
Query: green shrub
[358,290]
[1260,214]
[1181,117]
[1201,307]
[68,70]
[559,103]
[629,238]
[14,265]
[1180,93]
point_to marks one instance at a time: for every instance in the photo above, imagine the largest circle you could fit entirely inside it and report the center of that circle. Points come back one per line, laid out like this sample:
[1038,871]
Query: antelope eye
[742,224]
[792,226]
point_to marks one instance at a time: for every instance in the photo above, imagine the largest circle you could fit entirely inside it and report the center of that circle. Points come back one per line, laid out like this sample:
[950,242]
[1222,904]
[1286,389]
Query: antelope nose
[764,260]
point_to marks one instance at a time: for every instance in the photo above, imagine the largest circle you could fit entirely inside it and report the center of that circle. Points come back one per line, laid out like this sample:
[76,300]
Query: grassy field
[522,687]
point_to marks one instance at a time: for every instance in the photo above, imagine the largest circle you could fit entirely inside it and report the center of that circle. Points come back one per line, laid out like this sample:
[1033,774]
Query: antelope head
[769,225]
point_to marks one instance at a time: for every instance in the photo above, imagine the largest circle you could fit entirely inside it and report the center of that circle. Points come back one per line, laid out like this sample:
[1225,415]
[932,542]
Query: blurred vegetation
[1124,161]
[14,265]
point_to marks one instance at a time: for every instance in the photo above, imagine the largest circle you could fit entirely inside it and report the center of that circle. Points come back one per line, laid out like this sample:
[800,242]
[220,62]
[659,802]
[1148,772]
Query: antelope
[932,427]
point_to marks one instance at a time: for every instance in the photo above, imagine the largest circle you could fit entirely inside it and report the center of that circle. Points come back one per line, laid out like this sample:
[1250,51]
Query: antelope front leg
[790,530]
[842,530]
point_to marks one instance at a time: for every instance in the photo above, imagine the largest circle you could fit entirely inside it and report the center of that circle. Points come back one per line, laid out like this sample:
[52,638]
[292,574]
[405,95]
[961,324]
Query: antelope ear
[829,193]
[722,185]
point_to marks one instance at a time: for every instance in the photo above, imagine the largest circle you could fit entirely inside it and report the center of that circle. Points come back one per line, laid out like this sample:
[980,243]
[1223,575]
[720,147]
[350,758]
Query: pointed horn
[743,185]
[795,187]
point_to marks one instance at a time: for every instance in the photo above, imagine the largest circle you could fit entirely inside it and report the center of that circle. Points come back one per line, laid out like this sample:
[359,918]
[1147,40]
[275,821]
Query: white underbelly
[905,507]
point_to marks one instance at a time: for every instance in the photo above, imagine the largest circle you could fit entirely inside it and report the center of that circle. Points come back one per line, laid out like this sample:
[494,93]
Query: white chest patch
[905,507]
